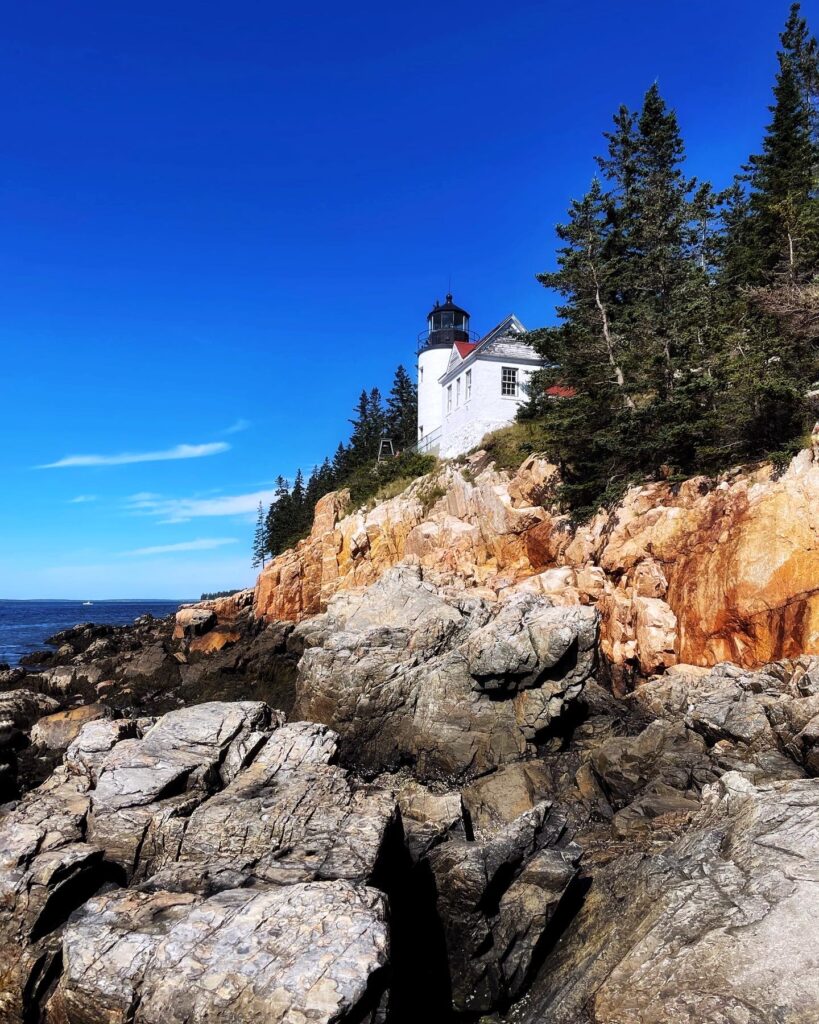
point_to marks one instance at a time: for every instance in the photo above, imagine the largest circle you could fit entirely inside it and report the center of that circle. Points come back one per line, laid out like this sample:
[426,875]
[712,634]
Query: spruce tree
[368,426]
[300,513]
[341,462]
[278,522]
[634,344]
[802,49]
[783,203]
[259,540]
[660,269]
[402,411]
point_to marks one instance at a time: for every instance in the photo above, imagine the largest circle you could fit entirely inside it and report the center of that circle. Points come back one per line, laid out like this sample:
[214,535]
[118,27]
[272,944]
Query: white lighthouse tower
[446,325]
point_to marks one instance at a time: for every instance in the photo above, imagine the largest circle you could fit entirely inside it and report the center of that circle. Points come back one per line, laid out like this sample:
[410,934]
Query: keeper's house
[468,386]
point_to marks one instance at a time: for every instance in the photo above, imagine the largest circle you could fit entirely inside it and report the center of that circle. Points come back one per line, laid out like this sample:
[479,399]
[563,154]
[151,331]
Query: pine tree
[783,203]
[586,354]
[341,462]
[590,267]
[633,345]
[259,540]
[368,427]
[402,411]
[802,49]
[300,513]
[278,521]
[661,271]
[781,233]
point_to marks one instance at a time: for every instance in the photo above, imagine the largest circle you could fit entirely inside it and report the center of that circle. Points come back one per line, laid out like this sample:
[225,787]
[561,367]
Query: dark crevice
[419,982]
[73,891]
[41,983]
[489,902]
[564,667]
[369,1006]
[567,909]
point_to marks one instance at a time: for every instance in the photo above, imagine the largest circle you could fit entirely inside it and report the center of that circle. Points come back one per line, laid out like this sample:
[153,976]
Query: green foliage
[355,466]
[212,596]
[687,331]
[510,446]
[367,481]
[259,540]
[402,411]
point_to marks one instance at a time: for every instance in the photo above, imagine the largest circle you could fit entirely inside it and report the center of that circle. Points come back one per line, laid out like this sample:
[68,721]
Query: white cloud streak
[180,451]
[181,510]
[237,427]
[82,499]
[203,544]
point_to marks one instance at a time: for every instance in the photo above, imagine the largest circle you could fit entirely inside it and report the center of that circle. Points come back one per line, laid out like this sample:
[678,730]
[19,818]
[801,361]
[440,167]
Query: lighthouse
[446,325]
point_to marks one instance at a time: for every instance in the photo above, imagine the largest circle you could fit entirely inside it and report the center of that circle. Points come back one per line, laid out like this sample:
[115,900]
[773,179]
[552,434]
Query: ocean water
[24,625]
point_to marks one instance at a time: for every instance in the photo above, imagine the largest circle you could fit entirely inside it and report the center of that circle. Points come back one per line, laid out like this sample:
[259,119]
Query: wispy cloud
[81,499]
[237,427]
[181,510]
[180,451]
[203,544]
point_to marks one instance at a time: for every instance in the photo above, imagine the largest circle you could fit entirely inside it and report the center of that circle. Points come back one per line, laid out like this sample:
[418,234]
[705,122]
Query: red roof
[465,347]
[560,391]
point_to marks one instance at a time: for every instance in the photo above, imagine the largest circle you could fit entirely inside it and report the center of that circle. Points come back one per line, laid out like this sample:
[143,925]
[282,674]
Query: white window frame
[510,382]
[457,392]
[449,398]
[468,386]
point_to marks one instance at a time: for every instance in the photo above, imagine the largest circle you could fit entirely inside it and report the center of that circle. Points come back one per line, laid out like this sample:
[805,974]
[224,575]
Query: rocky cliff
[697,573]
[395,782]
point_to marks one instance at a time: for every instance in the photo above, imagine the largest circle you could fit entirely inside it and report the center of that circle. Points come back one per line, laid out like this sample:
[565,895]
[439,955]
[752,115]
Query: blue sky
[220,221]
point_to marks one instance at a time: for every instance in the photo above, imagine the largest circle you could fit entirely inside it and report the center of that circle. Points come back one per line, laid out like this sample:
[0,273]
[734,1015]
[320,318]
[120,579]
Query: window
[457,392]
[420,375]
[468,385]
[509,382]
[449,398]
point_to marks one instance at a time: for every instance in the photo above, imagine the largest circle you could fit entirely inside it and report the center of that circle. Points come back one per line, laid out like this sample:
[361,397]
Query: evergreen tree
[784,213]
[312,491]
[660,273]
[633,346]
[259,540]
[326,477]
[300,513]
[278,519]
[766,288]
[738,263]
[368,428]
[801,48]
[341,462]
[402,411]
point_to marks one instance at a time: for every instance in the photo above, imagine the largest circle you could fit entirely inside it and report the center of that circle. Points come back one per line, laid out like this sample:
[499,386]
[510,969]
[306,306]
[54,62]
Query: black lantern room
[446,324]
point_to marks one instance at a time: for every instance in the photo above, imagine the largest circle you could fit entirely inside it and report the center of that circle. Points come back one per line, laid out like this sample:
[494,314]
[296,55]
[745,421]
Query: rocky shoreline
[435,789]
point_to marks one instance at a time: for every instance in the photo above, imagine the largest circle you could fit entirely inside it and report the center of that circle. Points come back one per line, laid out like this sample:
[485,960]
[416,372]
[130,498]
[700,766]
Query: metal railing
[446,335]
[428,444]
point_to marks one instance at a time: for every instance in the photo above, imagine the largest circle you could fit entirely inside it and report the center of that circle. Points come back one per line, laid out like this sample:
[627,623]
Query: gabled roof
[509,325]
[504,341]
[465,347]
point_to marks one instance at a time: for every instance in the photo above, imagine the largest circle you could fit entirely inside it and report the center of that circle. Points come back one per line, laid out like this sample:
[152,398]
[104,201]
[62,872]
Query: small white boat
[86,603]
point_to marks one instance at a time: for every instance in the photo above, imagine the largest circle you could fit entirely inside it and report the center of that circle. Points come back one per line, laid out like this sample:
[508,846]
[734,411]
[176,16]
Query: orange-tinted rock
[473,532]
[216,640]
[700,573]
[741,561]
[57,731]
